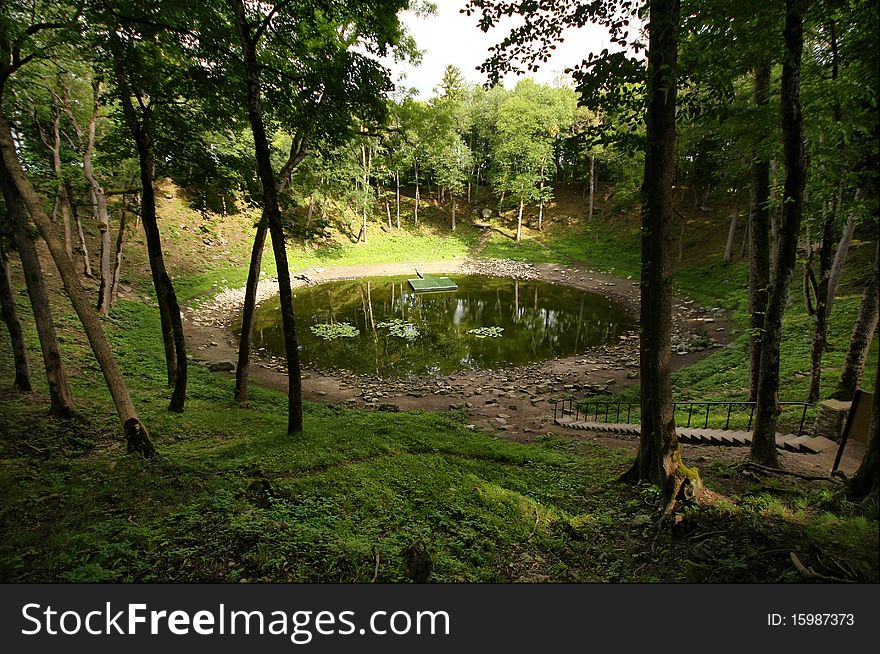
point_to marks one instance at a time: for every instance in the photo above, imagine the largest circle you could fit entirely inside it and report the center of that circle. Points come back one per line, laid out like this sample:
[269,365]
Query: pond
[380,326]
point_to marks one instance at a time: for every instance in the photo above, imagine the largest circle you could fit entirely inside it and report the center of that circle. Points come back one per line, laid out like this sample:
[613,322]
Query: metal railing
[605,410]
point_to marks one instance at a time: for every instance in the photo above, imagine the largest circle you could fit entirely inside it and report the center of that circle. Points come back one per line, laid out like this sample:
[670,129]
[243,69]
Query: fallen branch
[809,573]
[535,528]
[34,448]
[792,473]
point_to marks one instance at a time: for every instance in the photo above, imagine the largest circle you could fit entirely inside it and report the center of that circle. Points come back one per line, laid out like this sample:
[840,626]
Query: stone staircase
[788,442]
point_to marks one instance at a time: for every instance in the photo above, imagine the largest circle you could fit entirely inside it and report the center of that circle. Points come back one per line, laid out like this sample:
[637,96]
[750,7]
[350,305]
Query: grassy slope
[236,499]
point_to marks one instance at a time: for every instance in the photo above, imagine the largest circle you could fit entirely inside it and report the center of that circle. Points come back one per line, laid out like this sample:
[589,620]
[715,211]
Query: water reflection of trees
[558,320]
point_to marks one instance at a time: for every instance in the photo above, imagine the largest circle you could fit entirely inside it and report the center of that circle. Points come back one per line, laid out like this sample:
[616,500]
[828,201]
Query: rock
[221,366]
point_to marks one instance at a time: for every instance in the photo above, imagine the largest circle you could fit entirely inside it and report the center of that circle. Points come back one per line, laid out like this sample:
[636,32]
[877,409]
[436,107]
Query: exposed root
[809,573]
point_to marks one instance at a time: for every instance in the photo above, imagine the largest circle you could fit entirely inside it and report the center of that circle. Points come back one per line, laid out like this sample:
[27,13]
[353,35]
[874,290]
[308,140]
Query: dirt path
[516,403]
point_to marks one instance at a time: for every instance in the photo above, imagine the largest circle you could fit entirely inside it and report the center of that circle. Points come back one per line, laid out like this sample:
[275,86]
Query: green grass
[234,498]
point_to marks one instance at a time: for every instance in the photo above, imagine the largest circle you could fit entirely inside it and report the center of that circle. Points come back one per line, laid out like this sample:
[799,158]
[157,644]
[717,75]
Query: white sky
[450,37]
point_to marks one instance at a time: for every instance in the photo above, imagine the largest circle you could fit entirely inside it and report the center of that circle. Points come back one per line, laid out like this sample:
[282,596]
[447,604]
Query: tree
[60,398]
[21,42]
[862,335]
[763,449]
[8,313]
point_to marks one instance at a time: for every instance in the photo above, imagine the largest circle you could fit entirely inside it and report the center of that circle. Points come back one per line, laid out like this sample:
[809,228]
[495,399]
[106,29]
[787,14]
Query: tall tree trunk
[659,457]
[731,232]
[22,381]
[820,329]
[452,197]
[759,238]
[862,335]
[397,197]
[136,434]
[60,398]
[541,206]
[173,337]
[592,186]
[416,214]
[272,214]
[763,449]
[96,193]
[248,310]
[519,221]
[61,199]
[117,258]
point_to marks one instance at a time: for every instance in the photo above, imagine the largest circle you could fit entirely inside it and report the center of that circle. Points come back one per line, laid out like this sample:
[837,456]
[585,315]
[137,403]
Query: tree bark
[136,434]
[763,450]
[759,238]
[60,398]
[659,458]
[22,381]
[173,337]
[272,214]
[862,335]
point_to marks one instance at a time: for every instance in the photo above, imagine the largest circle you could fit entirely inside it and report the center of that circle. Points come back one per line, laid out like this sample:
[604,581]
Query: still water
[403,333]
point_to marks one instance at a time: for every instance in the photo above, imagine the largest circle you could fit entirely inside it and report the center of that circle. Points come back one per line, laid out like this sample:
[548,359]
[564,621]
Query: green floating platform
[428,283]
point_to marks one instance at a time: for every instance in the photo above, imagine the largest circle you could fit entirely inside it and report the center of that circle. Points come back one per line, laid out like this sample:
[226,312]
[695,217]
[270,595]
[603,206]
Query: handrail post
[706,423]
[751,415]
[727,423]
[803,417]
[690,413]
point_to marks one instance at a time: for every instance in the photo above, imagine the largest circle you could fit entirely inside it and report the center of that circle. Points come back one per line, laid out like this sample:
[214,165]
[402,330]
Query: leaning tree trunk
[22,381]
[763,449]
[173,337]
[60,398]
[862,335]
[272,214]
[136,434]
[759,238]
[659,457]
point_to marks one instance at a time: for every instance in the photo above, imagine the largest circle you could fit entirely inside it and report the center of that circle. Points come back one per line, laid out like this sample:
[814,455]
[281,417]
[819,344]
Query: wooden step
[818,444]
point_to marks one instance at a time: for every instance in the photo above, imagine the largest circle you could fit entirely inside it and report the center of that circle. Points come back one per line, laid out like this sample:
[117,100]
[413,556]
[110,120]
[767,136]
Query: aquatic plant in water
[329,331]
[486,332]
[399,328]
